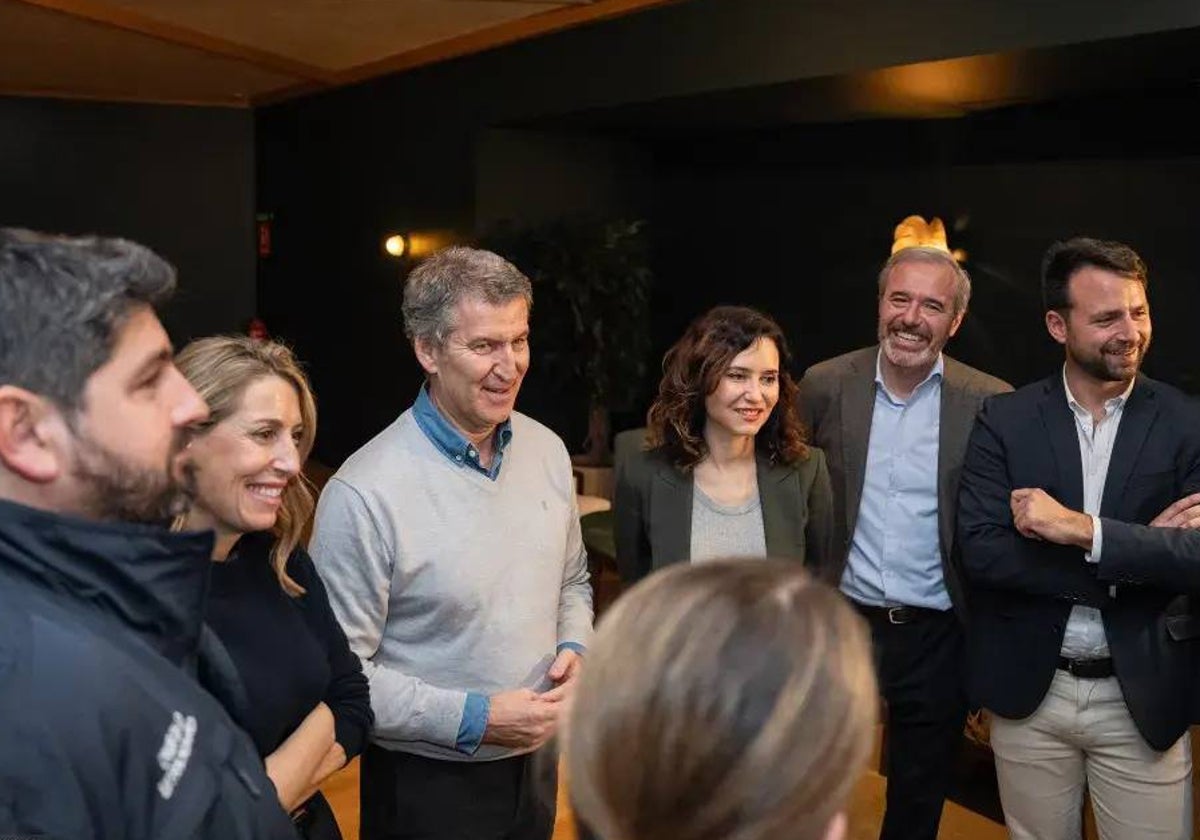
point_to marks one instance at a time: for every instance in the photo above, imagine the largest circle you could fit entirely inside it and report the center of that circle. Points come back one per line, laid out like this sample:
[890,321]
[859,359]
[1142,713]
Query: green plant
[591,314]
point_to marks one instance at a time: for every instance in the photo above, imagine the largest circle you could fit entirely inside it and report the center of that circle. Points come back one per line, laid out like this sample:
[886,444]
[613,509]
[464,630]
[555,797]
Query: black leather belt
[1087,669]
[896,615]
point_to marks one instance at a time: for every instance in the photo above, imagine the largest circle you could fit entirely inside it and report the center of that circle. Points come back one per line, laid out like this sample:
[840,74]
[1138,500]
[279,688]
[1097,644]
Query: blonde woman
[307,705]
[722,701]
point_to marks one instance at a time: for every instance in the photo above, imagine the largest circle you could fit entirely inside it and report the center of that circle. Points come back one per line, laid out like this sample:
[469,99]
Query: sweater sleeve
[575,597]
[347,694]
[355,564]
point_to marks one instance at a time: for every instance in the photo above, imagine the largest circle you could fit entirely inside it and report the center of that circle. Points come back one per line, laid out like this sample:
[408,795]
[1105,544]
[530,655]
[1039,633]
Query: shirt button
[457,457]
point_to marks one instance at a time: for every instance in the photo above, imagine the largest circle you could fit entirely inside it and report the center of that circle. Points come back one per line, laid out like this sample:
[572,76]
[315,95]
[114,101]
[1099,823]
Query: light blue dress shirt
[451,443]
[895,554]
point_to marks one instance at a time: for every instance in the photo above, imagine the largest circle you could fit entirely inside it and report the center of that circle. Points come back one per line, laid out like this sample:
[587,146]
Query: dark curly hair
[693,368]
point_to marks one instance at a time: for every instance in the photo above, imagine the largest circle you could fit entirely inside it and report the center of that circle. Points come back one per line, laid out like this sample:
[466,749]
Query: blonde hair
[733,700]
[221,368]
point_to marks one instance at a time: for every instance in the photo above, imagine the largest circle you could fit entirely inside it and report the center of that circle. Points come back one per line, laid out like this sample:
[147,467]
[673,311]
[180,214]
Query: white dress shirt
[1084,637]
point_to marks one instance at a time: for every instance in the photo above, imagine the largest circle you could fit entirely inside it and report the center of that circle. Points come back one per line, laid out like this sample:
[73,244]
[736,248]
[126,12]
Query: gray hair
[435,287]
[62,302]
[932,256]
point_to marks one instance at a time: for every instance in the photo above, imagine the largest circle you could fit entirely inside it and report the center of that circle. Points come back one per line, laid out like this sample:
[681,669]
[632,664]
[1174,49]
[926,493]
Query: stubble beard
[1104,368]
[118,491]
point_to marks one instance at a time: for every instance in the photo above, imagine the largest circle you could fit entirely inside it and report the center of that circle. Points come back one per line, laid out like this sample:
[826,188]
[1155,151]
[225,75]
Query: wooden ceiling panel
[247,52]
[44,52]
[333,34]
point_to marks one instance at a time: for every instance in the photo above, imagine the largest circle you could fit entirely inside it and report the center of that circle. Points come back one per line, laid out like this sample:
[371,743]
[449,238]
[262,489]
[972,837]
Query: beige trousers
[1083,737]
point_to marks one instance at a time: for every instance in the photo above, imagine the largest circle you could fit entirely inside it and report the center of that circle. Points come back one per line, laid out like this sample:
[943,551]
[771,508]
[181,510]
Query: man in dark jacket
[104,731]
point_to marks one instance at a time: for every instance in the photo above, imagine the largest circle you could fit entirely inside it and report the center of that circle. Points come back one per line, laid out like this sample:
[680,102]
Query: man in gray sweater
[451,549]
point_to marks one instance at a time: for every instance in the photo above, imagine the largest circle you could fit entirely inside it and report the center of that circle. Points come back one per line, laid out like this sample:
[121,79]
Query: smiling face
[746,393]
[1107,329]
[241,466]
[475,374]
[916,314]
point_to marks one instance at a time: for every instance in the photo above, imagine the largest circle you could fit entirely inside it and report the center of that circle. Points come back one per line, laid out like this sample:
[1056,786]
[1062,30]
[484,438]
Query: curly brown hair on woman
[693,368]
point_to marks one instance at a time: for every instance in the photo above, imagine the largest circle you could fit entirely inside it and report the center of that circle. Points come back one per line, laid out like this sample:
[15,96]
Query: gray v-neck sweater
[447,582]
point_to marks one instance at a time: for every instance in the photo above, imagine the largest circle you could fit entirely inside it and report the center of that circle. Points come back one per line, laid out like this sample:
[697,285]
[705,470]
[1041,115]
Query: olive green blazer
[652,509]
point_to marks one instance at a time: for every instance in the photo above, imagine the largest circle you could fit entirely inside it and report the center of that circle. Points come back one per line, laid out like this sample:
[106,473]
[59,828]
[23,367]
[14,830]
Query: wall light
[914,231]
[395,245]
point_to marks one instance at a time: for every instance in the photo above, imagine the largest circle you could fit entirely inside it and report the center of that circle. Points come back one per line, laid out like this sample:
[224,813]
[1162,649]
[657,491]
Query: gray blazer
[652,508]
[837,400]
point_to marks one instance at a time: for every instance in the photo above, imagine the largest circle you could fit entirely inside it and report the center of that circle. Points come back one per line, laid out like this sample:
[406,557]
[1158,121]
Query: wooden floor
[866,810]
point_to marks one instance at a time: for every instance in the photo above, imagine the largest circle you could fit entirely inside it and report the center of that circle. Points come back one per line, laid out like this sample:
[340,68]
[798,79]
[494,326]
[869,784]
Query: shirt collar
[1110,405]
[449,440]
[938,370]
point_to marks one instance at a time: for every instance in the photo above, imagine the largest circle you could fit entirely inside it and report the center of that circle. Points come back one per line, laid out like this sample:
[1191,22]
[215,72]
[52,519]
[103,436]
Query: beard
[117,490]
[908,357]
[1111,364]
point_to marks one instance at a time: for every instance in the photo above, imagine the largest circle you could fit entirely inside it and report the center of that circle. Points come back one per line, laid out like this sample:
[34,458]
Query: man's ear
[957,322]
[427,354]
[1056,325]
[28,426]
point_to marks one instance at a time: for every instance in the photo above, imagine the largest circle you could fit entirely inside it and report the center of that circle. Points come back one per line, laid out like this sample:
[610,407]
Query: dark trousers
[407,797]
[920,666]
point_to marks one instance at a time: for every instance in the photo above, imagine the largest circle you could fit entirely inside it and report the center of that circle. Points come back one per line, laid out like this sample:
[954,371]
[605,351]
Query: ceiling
[241,53]
[925,90]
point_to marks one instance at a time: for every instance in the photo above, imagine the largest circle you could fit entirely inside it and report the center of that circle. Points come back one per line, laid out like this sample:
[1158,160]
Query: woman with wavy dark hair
[728,471]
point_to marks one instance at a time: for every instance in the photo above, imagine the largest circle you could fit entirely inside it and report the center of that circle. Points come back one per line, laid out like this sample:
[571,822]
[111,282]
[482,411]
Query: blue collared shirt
[451,442]
[895,554]
[454,445]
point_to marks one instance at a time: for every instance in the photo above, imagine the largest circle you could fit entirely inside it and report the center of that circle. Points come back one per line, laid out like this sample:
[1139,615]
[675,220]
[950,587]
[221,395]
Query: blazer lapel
[1136,420]
[1064,442]
[777,524]
[858,405]
[956,416]
[672,506]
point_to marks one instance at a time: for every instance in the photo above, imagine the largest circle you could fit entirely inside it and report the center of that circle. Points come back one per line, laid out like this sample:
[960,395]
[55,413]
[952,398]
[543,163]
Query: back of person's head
[62,303]
[732,700]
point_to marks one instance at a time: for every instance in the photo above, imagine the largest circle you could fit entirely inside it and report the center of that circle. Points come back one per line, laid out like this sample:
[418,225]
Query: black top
[290,652]
[103,729]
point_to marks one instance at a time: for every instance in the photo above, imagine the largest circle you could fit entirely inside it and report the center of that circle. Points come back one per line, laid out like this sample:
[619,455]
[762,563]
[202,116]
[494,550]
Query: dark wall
[341,169]
[799,222]
[178,179]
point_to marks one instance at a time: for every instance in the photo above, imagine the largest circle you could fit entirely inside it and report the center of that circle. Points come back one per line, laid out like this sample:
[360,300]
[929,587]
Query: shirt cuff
[1093,556]
[474,722]
[575,646]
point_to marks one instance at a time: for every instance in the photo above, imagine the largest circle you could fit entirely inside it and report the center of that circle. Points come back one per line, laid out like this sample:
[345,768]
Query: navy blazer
[652,508]
[1022,590]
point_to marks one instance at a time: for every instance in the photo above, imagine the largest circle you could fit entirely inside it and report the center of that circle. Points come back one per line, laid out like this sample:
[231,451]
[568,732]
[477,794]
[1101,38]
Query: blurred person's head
[730,700]
[727,376]
[93,411]
[244,462]
[466,312]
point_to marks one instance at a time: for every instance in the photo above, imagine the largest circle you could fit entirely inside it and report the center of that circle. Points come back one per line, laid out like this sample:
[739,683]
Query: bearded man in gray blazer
[893,420]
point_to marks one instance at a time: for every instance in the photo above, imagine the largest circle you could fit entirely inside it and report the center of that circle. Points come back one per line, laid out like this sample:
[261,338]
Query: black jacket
[104,732]
[1022,590]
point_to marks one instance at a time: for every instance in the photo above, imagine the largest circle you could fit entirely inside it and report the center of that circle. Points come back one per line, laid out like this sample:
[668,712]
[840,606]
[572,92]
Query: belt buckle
[893,612]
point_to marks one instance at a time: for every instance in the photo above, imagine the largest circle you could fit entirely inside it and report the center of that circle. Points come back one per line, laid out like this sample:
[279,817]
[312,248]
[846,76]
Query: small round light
[394,245]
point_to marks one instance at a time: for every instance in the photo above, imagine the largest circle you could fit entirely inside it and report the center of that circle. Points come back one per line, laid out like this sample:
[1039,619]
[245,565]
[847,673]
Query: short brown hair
[693,368]
[734,699]
[1063,259]
[221,368]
